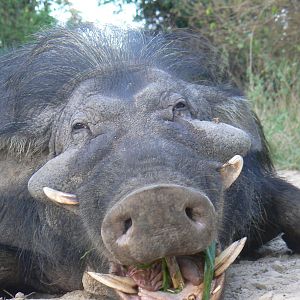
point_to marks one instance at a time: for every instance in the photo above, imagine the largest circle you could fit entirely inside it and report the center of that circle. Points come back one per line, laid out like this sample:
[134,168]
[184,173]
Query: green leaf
[166,284]
[209,11]
[210,254]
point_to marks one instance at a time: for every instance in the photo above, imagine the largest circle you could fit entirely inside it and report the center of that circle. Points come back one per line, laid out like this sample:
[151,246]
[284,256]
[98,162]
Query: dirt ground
[275,275]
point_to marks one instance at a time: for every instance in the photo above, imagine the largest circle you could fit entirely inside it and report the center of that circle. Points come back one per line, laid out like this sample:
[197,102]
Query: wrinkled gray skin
[134,139]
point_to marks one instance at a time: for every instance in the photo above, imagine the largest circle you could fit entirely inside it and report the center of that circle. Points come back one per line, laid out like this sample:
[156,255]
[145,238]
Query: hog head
[132,151]
[144,171]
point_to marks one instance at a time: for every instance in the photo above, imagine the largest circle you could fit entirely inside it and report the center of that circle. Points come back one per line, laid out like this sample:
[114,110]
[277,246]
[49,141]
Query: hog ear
[231,170]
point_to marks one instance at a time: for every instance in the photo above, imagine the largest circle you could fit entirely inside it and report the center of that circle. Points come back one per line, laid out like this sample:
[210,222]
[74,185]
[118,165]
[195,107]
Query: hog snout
[158,221]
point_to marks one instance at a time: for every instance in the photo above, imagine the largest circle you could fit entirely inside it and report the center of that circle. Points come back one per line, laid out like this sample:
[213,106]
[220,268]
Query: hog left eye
[181,109]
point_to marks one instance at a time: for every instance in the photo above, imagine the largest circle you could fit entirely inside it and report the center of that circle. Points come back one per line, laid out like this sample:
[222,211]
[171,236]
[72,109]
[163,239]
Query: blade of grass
[210,254]
[166,284]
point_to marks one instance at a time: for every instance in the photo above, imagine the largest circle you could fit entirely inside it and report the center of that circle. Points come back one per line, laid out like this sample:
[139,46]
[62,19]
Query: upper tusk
[231,170]
[60,197]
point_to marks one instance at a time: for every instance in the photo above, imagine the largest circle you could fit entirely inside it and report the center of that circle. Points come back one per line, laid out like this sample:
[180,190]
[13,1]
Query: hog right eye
[78,126]
[179,106]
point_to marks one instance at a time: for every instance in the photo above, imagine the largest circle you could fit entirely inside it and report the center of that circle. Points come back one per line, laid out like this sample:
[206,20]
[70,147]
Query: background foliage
[259,40]
[19,19]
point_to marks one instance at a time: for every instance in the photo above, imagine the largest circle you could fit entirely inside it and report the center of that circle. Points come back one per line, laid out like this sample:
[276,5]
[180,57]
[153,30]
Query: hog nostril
[194,215]
[189,213]
[127,225]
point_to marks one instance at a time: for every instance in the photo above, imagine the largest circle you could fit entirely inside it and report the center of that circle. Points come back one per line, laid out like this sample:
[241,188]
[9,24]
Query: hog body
[134,130]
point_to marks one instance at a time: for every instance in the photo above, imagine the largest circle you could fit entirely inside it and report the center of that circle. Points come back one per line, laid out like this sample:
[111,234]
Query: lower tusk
[122,284]
[228,256]
[60,197]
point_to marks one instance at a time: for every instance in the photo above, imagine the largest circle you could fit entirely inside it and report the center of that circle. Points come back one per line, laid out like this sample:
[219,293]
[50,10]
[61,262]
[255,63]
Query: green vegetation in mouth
[210,254]
[166,284]
[172,280]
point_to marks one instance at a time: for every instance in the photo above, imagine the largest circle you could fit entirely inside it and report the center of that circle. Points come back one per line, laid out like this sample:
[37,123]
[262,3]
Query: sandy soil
[275,275]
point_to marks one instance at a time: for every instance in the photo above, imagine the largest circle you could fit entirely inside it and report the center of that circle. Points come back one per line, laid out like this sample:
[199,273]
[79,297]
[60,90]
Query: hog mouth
[147,282]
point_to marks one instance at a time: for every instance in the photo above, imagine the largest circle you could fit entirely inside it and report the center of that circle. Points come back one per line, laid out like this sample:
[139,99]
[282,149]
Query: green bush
[20,19]
[275,96]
